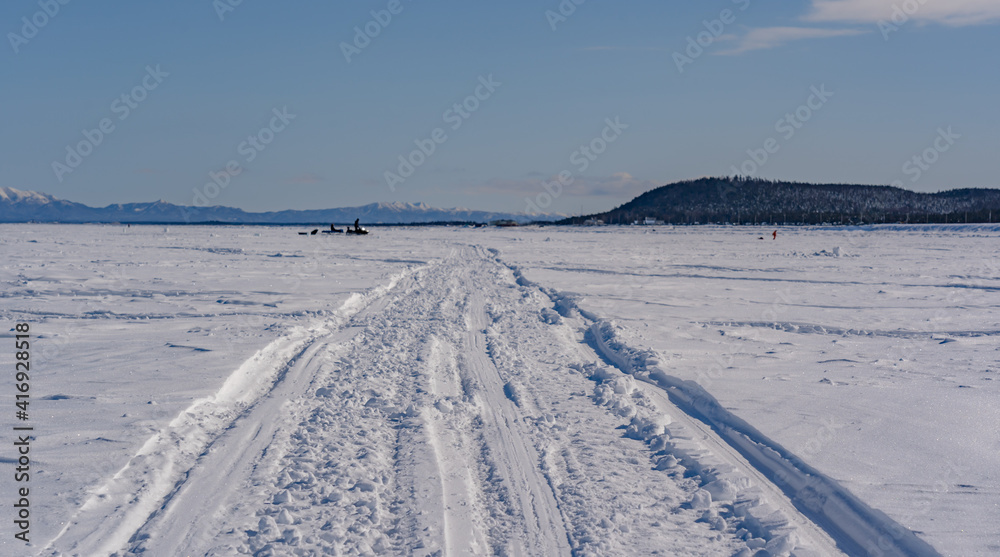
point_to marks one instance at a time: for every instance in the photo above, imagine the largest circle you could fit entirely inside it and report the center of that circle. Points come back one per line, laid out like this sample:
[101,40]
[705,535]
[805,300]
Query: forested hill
[752,200]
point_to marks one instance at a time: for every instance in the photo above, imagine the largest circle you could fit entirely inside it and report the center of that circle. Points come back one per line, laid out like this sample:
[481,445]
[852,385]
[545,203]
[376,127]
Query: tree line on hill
[741,200]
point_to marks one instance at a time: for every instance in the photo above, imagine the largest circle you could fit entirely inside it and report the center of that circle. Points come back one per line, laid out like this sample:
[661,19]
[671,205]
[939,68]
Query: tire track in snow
[447,514]
[442,368]
[857,528]
[592,481]
[434,430]
[391,456]
[809,500]
[202,502]
[815,536]
[545,533]
[118,508]
[462,535]
[613,500]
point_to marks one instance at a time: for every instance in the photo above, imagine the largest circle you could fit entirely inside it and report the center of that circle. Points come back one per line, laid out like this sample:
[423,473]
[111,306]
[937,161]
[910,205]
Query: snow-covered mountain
[19,206]
[24,206]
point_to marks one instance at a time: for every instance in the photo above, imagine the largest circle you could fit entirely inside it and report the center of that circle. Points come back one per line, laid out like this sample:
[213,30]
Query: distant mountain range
[30,206]
[751,200]
[701,201]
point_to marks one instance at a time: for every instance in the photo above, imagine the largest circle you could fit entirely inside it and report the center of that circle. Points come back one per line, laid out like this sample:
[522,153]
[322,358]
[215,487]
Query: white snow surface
[529,391]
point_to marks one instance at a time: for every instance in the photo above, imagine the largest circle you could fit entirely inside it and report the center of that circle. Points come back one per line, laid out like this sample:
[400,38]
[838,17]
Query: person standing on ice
[774,235]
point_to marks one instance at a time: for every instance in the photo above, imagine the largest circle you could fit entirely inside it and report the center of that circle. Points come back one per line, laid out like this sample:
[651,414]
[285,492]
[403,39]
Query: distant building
[593,222]
[648,221]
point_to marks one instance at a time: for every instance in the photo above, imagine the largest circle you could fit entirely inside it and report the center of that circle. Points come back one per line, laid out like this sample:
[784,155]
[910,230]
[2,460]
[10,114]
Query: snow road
[435,418]
[459,408]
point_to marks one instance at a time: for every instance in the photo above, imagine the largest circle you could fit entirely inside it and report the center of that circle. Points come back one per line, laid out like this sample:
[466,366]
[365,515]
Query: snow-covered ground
[537,391]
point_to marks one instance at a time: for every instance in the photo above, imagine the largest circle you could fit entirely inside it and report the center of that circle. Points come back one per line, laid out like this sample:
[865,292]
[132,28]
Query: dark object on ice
[775,235]
[334,229]
[303,233]
[357,229]
[761,238]
[315,231]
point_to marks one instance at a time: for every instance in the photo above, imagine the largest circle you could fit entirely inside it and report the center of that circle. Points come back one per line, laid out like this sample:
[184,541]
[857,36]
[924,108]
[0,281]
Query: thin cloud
[772,37]
[617,185]
[952,12]
[305,179]
[623,48]
[448,169]
[948,12]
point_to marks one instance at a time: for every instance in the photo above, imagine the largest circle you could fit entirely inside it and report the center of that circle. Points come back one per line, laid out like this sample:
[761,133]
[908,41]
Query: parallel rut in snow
[457,414]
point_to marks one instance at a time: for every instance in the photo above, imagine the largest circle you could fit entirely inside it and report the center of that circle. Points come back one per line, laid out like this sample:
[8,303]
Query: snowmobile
[357,229]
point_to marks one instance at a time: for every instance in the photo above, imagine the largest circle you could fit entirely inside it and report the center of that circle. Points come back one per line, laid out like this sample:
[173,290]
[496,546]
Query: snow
[876,368]
[594,391]
[19,196]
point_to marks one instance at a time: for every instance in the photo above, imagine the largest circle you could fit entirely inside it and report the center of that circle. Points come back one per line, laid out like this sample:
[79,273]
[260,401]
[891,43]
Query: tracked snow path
[162,468]
[790,500]
[452,412]
[858,528]
[518,462]
[205,496]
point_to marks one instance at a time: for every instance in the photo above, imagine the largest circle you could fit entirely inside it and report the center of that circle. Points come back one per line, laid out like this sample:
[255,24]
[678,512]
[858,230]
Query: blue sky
[619,97]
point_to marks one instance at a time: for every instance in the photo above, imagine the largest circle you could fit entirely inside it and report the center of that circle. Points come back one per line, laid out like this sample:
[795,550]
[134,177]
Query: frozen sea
[608,390]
